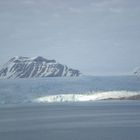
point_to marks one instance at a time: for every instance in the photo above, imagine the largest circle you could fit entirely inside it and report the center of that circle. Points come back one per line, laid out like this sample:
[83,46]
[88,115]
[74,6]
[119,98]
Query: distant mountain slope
[25,67]
[137,71]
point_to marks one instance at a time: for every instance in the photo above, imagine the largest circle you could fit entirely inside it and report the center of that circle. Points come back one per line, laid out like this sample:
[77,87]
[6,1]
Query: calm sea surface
[63,114]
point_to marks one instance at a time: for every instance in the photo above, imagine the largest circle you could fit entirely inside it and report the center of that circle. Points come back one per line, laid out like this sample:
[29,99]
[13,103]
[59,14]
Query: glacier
[85,97]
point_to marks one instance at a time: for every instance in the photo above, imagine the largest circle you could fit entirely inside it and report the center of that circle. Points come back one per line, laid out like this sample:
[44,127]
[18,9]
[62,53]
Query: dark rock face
[24,67]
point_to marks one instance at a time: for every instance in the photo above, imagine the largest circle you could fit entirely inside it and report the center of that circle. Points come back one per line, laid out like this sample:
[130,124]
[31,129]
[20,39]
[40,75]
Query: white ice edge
[86,97]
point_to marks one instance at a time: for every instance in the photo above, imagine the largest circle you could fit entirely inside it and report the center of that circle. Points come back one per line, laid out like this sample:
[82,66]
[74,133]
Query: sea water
[72,109]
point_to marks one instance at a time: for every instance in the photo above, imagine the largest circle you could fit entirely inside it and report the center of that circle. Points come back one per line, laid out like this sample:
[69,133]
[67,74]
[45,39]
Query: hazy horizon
[98,37]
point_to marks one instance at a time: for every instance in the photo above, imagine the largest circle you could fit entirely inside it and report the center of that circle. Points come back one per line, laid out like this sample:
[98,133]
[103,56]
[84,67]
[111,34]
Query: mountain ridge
[26,67]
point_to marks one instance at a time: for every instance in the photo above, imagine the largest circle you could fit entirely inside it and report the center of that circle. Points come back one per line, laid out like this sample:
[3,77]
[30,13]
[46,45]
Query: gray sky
[98,37]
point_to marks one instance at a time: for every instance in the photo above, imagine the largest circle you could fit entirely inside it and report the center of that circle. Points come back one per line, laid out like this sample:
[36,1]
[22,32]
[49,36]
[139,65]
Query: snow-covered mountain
[25,67]
[137,71]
